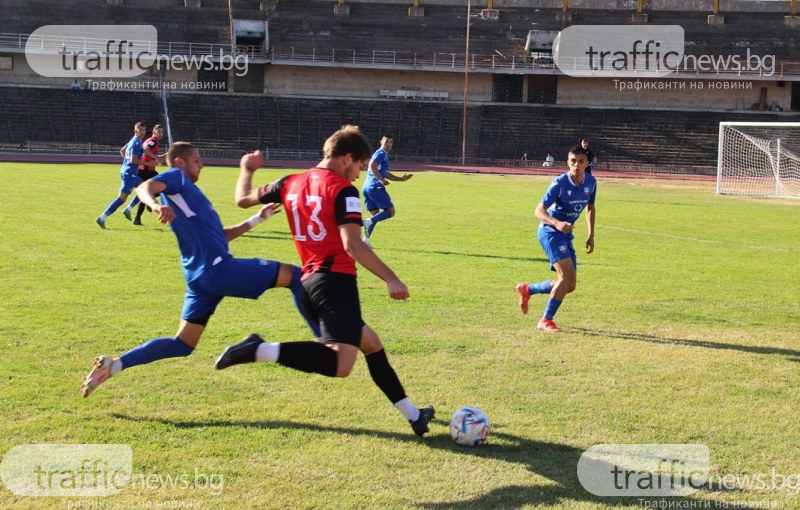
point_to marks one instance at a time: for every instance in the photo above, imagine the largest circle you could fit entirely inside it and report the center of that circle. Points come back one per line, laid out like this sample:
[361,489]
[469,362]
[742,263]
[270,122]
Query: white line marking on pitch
[696,239]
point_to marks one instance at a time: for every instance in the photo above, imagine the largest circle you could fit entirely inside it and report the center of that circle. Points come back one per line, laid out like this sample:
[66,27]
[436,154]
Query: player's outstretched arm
[351,238]
[392,177]
[245,195]
[266,212]
[147,193]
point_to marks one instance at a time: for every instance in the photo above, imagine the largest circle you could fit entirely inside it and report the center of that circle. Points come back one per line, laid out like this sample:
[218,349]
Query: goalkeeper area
[759,159]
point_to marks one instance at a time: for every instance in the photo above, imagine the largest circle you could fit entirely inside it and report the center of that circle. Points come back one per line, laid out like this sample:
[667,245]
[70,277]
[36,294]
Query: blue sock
[113,206]
[154,350]
[297,290]
[383,215]
[551,308]
[133,203]
[540,288]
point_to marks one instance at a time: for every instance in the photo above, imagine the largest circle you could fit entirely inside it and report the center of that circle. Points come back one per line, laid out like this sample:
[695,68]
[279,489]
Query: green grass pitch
[685,328]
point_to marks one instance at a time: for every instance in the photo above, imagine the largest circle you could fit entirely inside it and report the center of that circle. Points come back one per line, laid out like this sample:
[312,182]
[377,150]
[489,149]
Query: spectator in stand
[549,160]
[590,157]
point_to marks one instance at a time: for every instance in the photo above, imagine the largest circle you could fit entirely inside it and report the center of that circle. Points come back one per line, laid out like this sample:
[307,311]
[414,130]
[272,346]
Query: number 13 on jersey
[314,228]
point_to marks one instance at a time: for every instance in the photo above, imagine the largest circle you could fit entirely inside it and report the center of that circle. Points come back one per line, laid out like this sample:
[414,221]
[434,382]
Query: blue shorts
[376,197]
[242,278]
[557,246]
[129,181]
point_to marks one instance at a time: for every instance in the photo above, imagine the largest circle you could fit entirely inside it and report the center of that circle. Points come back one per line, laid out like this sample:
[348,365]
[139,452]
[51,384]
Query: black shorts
[147,174]
[331,300]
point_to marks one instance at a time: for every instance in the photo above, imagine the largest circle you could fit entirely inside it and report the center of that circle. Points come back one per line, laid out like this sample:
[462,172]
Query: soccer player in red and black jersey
[147,170]
[324,213]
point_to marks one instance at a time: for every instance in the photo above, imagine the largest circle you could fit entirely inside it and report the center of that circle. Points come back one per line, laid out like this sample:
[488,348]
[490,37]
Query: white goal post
[759,159]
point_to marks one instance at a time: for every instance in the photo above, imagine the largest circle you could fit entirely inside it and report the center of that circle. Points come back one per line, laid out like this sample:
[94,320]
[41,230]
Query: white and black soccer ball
[470,426]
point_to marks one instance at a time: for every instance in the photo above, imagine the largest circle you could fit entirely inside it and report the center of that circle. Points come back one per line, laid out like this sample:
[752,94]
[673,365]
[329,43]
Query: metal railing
[474,164]
[49,44]
[378,58]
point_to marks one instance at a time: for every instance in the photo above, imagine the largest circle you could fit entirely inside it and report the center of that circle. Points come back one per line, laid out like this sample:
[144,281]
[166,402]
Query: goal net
[759,158]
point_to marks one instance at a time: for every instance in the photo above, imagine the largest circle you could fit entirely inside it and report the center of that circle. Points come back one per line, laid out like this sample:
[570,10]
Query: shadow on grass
[273,235]
[478,255]
[793,355]
[556,462]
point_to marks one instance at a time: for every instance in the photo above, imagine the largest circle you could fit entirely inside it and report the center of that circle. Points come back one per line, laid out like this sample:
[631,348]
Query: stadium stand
[425,131]
[518,114]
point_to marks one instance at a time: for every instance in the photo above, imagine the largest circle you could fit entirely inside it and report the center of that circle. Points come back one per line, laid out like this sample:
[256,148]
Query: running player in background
[151,159]
[324,213]
[129,173]
[568,195]
[376,198]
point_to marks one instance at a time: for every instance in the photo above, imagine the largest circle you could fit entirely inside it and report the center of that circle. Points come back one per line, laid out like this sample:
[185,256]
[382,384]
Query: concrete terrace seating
[174,21]
[375,26]
[59,115]
[422,130]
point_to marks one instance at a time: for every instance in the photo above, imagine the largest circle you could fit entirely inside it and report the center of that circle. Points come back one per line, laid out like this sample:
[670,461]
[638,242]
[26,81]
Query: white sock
[116,367]
[408,409]
[268,352]
[103,216]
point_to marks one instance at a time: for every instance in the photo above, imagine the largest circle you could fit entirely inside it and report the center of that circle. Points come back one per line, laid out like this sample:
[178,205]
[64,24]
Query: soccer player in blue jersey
[129,173]
[376,198]
[563,202]
[211,272]
[152,158]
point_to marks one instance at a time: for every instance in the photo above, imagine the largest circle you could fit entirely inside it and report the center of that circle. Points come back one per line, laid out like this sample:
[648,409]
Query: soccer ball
[470,426]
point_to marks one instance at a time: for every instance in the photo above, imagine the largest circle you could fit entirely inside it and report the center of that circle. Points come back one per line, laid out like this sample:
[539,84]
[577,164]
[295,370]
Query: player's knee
[391,212]
[345,359]
[370,341]
[285,275]
[343,368]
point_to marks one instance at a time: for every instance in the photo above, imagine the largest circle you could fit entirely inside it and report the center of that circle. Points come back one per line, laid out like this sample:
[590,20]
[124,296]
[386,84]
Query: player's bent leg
[243,352]
[567,278]
[385,378]
[370,341]
[101,371]
[548,326]
[524,296]
[286,275]
[310,357]
[345,358]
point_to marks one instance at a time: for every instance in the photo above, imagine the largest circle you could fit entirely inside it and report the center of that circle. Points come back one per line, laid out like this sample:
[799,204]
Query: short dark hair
[136,126]
[178,150]
[157,127]
[578,150]
[347,140]
[386,135]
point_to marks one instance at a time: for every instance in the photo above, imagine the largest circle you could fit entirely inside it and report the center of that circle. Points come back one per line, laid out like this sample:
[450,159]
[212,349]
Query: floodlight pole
[466,88]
